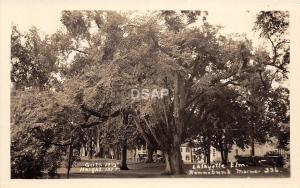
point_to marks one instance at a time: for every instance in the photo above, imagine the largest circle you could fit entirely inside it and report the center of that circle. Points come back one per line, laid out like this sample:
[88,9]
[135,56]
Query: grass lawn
[154,170]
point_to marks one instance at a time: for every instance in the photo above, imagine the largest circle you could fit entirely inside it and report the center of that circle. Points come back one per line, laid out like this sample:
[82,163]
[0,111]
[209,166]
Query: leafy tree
[274,26]
[53,125]
[219,122]
[33,60]
[42,128]
[189,61]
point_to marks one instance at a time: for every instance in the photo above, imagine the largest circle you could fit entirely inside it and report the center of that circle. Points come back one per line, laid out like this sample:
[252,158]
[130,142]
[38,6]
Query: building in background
[189,154]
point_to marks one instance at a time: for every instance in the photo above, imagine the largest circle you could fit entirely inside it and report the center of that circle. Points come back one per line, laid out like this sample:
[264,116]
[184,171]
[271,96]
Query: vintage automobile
[266,160]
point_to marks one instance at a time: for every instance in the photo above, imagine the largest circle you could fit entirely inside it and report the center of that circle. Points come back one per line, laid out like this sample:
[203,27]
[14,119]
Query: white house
[189,156]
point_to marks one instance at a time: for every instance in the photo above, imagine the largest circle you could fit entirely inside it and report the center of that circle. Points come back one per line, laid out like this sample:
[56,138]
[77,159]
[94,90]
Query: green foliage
[42,128]
[272,23]
[30,156]
[274,26]
[33,59]
[75,23]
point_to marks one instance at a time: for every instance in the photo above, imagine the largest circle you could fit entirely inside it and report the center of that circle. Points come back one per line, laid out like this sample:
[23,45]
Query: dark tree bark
[221,151]
[224,155]
[252,148]
[176,160]
[207,152]
[90,154]
[150,155]
[123,163]
[113,155]
[225,162]
[178,126]
[207,148]
[98,142]
[168,167]
[118,153]
[70,156]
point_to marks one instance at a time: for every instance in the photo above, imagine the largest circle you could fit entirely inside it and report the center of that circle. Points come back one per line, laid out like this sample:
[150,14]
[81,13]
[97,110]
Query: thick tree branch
[275,53]
[100,115]
[88,125]
[170,54]
[80,51]
[262,81]
[194,98]
[187,120]
[157,139]
[142,131]
[60,144]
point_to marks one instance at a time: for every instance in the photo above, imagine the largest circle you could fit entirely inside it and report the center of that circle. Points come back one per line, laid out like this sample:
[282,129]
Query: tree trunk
[150,155]
[225,162]
[173,161]
[86,149]
[134,154]
[208,155]
[70,156]
[168,169]
[98,144]
[178,126]
[252,140]
[252,148]
[118,154]
[90,149]
[124,158]
[83,150]
[113,155]
[222,154]
[176,161]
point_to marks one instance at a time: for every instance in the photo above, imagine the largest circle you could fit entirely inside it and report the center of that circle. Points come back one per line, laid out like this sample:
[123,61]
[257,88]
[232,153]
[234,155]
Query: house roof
[185,145]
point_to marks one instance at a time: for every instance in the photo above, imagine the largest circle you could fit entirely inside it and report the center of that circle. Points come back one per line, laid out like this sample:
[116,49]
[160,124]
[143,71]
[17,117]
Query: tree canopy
[82,77]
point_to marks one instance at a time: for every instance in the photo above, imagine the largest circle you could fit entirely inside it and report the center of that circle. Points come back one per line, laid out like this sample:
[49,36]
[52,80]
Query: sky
[48,21]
